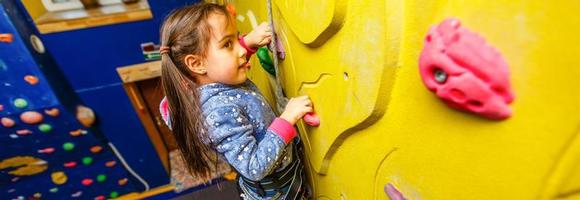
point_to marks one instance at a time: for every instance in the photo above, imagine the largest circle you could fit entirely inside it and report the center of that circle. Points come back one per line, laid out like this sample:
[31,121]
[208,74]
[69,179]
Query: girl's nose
[242,52]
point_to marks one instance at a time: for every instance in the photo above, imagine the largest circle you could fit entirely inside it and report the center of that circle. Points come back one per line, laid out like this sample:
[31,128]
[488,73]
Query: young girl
[215,111]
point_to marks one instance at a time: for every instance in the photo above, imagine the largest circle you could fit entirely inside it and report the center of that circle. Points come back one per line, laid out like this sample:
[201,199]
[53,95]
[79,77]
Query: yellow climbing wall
[358,61]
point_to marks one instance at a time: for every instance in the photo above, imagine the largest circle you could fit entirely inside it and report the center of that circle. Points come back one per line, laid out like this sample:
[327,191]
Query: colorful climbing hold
[123,181]
[111,163]
[266,61]
[96,149]
[32,80]
[68,146]
[37,195]
[1,107]
[101,197]
[53,112]
[45,128]
[11,190]
[311,119]
[87,160]
[53,190]
[15,179]
[31,117]
[23,132]
[7,122]
[6,37]
[87,181]
[59,177]
[20,103]
[46,150]
[101,178]
[70,164]
[114,194]
[75,133]
[13,136]
[77,194]
[85,115]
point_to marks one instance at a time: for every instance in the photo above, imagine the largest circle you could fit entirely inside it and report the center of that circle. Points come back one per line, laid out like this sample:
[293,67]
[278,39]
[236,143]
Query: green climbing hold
[20,103]
[87,160]
[114,194]
[53,190]
[68,146]
[101,178]
[266,60]
[45,128]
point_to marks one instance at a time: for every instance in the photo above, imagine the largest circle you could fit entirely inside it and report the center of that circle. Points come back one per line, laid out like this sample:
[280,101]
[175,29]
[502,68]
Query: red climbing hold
[87,181]
[46,150]
[465,72]
[100,198]
[70,164]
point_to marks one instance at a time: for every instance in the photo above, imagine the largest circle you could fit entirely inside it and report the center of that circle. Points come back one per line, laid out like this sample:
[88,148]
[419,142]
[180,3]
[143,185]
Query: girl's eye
[228,44]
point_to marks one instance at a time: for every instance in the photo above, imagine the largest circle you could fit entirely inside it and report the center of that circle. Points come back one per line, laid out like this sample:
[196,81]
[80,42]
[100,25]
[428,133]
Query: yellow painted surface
[35,8]
[358,61]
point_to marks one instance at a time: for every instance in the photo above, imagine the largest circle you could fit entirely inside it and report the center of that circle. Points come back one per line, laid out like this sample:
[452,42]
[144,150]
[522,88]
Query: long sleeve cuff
[251,51]
[284,129]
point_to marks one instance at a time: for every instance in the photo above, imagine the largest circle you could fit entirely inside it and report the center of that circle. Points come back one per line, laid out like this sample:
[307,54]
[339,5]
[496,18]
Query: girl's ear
[195,64]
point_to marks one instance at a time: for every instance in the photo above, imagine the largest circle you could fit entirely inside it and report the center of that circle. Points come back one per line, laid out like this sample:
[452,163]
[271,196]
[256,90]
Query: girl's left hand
[260,36]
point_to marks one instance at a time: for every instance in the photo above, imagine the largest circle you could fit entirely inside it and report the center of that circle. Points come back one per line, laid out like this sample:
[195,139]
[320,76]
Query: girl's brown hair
[186,31]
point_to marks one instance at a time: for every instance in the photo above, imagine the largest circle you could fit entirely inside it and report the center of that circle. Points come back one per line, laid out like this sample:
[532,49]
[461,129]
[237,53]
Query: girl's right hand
[296,108]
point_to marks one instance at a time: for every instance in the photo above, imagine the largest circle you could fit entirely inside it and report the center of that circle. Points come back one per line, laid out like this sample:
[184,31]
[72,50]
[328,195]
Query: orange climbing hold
[53,112]
[123,181]
[111,163]
[31,117]
[7,122]
[32,80]
[6,37]
[96,149]
[76,133]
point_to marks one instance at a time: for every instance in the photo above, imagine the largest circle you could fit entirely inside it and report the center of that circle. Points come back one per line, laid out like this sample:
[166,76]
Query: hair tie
[164,49]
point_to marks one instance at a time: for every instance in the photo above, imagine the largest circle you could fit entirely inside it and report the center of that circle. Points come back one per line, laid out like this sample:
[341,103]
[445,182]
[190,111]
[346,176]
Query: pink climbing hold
[46,150]
[311,119]
[7,122]
[393,193]
[31,117]
[465,72]
[23,132]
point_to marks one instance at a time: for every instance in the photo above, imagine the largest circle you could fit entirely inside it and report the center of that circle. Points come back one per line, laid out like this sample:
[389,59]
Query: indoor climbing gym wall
[48,148]
[429,99]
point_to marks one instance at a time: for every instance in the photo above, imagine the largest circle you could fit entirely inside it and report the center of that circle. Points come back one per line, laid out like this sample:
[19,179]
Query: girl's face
[226,58]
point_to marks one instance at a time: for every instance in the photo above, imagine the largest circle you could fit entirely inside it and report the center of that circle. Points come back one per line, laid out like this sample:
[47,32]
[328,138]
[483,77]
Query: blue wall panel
[88,59]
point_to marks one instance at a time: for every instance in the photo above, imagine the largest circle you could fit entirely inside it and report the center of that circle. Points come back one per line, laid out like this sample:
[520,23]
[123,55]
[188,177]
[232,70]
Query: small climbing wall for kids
[47,150]
[433,99]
